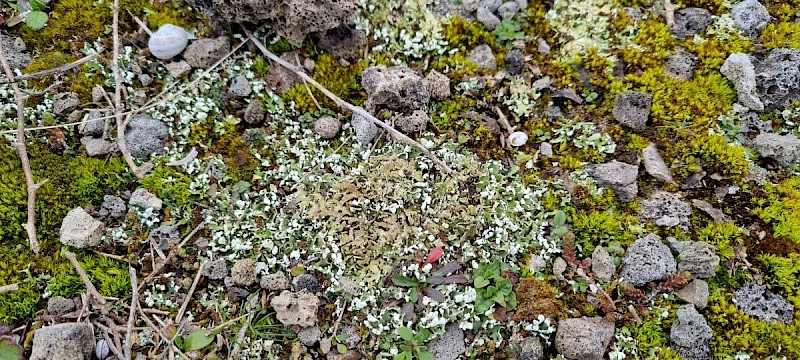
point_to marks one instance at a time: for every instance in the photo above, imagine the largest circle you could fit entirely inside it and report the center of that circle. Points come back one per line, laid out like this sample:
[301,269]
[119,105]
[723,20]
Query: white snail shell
[517,138]
[168,41]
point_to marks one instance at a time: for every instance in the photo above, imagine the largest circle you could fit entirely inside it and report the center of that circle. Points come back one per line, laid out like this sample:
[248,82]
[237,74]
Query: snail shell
[517,138]
[168,41]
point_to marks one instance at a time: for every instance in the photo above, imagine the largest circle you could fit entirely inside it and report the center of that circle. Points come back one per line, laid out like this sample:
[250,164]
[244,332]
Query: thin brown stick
[669,13]
[132,315]
[243,331]
[121,143]
[56,70]
[22,151]
[164,336]
[108,340]
[189,295]
[344,104]
[8,288]
[172,253]
[91,291]
[297,59]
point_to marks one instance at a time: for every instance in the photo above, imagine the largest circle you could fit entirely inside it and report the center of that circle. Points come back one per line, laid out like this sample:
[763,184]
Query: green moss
[722,236]
[781,35]
[260,66]
[713,52]
[652,337]
[781,209]
[655,44]
[593,228]
[345,82]
[465,35]
[782,10]
[715,6]
[170,12]
[783,273]
[456,66]
[718,155]
[447,113]
[172,186]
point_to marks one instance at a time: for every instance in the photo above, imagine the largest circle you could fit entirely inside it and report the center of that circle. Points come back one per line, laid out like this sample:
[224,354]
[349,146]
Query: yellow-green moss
[723,237]
[713,52]
[655,44]
[718,155]
[465,35]
[594,228]
[782,10]
[172,186]
[715,6]
[784,273]
[781,35]
[781,209]
[345,82]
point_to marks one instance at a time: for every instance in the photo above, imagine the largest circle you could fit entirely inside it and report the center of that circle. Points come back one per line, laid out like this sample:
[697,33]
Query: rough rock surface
[16,53]
[146,136]
[690,334]
[515,62]
[81,230]
[98,147]
[646,260]
[508,10]
[695,293]
[280,79]
[750,17]
[59,305]
[530,348]
[68,341]
[326,127]
[778,78]
[740,70]
[165,236]
[755,300]
[177,69]
[144,199]
[243,272]
[276,281]
[632,109]
[254,113]
[483,56]
[343,43]
[450,345]
[487,18]
[310,335]
[785,149]
[680,65]
[602,264]
[298,308]
[203,53]
[113,206]
[665,209]
[699,259]
[617,176]
[95,128]
[215,269]
[655,165]
[394,88]
[690,22]
[416,122]
[437,84]
[64,103]
[240,87]
[365,129]
[584,338]
[307,282]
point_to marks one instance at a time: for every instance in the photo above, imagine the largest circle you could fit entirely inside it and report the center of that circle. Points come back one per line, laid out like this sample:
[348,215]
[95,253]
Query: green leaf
[36,20]
[481,282]
[424,355]
[197,340]
[405,333]
[10,350]
[406,281]
[341,348]
[560,218]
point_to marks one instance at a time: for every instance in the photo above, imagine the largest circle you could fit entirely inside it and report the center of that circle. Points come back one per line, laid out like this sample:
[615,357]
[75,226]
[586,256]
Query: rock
[243,272]
[146,136]
[177,69]
[349,286]
[508,10]
[81,230]
[437,84]
[236,294]
[215,269]
[416,122]
[59,305]
[602,264]
[254,113]
[488,18]
[632,109]
[395,88]
[646,260]
[114,207]
[543,47]
[145,79]
[785,149]
[655,165]
[307,282]
[64,103]
[364,128]
[695,293]
[344,43]
[617,176]
[68,341]
[483,56]
[296,308]
[680,65]
[666,209]
[240,87]
[98,94]
[755,300]
[699,259]
[203,53]
[559,267]
[276,281]
[678,246]
[16,54]
[326,127]
[690,334]
[751,123]
[95,126]
[491,5]
[546,149]
[450,345]
[690,22]
[280,79]
[584,338]
[741,72]
[750,17]
[144,199]
[778,78]
[553,113]
[694,181]
[530,348]
[165,236]
[310,335]
[515,62]
[98,147]
[716,214]
[350,334]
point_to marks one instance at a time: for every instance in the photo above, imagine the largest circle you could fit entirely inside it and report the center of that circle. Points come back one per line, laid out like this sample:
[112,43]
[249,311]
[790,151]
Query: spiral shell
[517,138]
[168,41]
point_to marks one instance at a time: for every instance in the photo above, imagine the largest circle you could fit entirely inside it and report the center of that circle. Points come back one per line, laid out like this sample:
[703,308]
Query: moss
[715,6]
[456,67]
[781,35]
[171,12]
[598,67]
[171,186]
[782,10]
[719,155]
[652,336]
[783,273]
[713,52]
[722,236]
[260,66]
[655,44]
[600,228]
[781,209]
[636,142]
[534,298]
[447,113]
[465,35]
[345,82]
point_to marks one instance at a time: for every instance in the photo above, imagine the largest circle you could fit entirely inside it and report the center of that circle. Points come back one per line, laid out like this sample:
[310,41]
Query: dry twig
[53,71]
[91,291]
[669,14]
[161,333]
[189,295]
[8,288]
[172,253]
[121,123]
[132,315]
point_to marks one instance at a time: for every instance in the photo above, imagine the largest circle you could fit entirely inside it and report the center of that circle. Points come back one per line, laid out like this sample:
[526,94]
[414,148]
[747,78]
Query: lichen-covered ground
[648,208]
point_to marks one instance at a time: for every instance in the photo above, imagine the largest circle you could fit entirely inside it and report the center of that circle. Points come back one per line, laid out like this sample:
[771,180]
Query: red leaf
[435,254]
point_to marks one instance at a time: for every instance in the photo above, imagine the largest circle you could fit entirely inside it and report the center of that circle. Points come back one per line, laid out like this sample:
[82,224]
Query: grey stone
[236,293]
[602,264]
[280,79]
[326,127]
[450,345]
[349,286]
[64,103]
[655,165]
[254,113]
[68,341]
[491,5]
[515,62]
[81,230]
[543,47]
[755,300]
[680,65]
[416,122]
[750,17]
[785,149]
[16,53]
[690,334]
[716,214]
[146,136]
[698,259]
[559,267]
[646,260]
[488,18]
[632,109]
[751,123]
[144,199]
[546,149]
[508,10]
[114,206]
[364,128]
[98,94]
[243,272]
[740,71]
[666,209]
[394,88]
[307,282]
[98,147]
[695,293]
[276,281]
[310,335]
[203,53]
[344,43]
[437,84]
[240,87]
[178,69]
[778,78]
[95,126]
[351,335]
[584,338]
[165,236]
[553,113]
[678,246]
[530,348]
[690,22]
[617,176]
[296,308]
[145,79]
[215,269]
[59,305]
[483,56]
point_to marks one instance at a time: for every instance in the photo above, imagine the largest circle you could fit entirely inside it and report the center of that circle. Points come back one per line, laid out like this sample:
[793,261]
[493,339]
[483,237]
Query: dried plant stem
[132,315]
[344,104]
[91,291]
[8,288]
[669,13]
[22,151]
[53,71]
[121,123]
[161,333]
[172,253]
[189,295]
